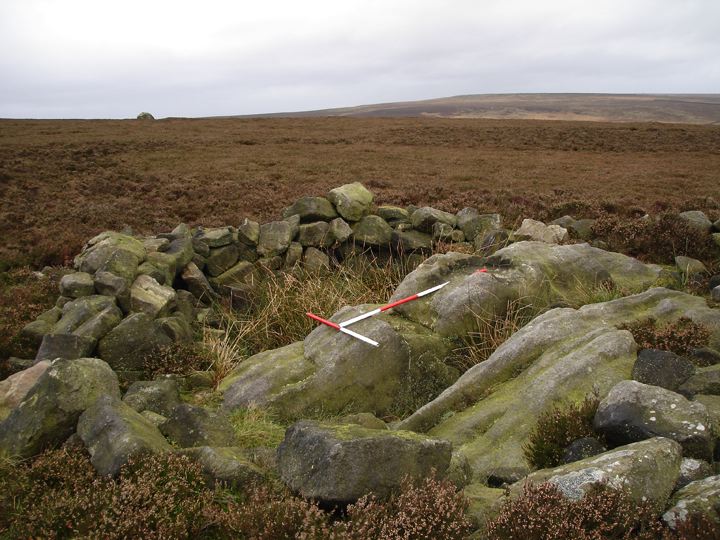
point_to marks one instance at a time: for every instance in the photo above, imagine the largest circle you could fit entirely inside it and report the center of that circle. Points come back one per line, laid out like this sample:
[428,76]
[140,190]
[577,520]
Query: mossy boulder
[126,345]
[160,396]
[274,239]
[705,380]
[215,237]
[560,356]
[114,433]
[341,463]
[700,497]
[77,284]
[48,414]
[315,234]
[67,346]
[221,259]
[352,201]
[372,231]
[14,389]
[411,241]
[189,426]
[474,224]
[648,470]
[113,252]
[311,209]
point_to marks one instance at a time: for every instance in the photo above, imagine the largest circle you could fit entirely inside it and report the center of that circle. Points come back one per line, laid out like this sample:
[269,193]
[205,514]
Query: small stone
[372,231]
[531,229]
[715,294]
[411,241]
[662,368]
[339,230]
[197,283]
[275,237]
[691,470]
[249,232]
[689,267]
[315,260]
[77,284]
[214,238]
[160,396]
[190,426]
[293,255]
[148,296]
[583,449]
[221,259]
[311,209]
[393,213]
[442,232]
[697,220]
[424,218]
[109,284]
[315,234]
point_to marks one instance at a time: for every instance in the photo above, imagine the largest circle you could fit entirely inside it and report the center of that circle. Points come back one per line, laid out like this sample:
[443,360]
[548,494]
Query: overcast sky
[113,59]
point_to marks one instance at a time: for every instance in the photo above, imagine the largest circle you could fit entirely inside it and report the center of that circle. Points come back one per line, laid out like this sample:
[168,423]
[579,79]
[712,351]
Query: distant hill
[681,108]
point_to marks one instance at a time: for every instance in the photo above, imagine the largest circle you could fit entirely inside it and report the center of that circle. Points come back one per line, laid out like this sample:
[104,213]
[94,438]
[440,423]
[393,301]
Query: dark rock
[190,426]
[692,470]
[316,459]
[311,209]
[583,449]
[714,282]
[114,433]
[197,283]
[315,260]
[275,237]
[126,345]
[77,284]
[705,357]
[315,234]
[339,231]
[160,396]
[662,368]
[221,259]
[705,381]
[176,328]
[372,231]
[473,224]
[411,241]
[424,218]
[490,242]
[393,213]
[248,232]
[109,284]
[633,411]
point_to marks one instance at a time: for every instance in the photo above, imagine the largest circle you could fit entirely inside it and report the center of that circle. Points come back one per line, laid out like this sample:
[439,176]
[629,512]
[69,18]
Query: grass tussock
[543,513]
[255,427]
[556,429]
[277,313]
[491,331]
[680,337]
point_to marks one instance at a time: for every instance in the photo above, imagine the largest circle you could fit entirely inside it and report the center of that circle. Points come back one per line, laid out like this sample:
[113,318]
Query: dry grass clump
[543,513]
[680,337]
[255,427]
[556,429]
[491,331]
[24,295]
[276,316]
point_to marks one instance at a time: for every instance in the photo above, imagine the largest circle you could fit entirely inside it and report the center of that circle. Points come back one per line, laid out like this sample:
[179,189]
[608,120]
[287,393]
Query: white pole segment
[433,289]
[360,317]
[360,337]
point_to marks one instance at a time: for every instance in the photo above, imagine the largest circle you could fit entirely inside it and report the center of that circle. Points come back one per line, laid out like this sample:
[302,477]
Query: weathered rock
[99,325]
[314,460]
[697,220]
[160,396]
[109,284]
[491,241]
[190,426]
[411,241]
[393,213]
[352,201]
[221,259]
[706,380]
[473,224]
[77,312]
[177,328]
[77,284]
[715,294]
[484,503]
[112,252]
[67,346]
[240,273]
[647,469]
[154,418]
[442,232]
[126,345]
[583,449]
[662,368]
[180,251]
[148,296]
[315,234]
[633,411]
[275,237]
[48,414]
[197,283]
[249,232]
[36,330]
[489,412]
[293,255]
[582,228]
[704,357]
[339,231]
[227,465]
[270,264]
[162,266]
[372,231]
[538,231]
[424,218]
[689,267]
[155,244]
[366,420]
[149,269]
[700,497]
[215,238]
[14,389]
[114,433]
[315,260]
[692,470]
[311,209]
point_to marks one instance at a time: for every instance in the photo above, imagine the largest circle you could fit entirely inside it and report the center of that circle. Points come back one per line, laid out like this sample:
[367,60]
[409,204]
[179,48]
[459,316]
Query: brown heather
[680,337]
[63,181]
[543,513]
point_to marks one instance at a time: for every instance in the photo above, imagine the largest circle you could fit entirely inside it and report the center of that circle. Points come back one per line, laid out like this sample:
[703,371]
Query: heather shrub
[427,509]
[556,429]
[680,337]
[24,295]
[178,358]
[543,513]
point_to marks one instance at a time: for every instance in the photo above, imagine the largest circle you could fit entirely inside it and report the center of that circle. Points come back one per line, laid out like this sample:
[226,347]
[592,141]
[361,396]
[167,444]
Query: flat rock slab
[647,469]
[341,463]
[148,296]
[50,411]
[561,356]
[113,433]
[190,426]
